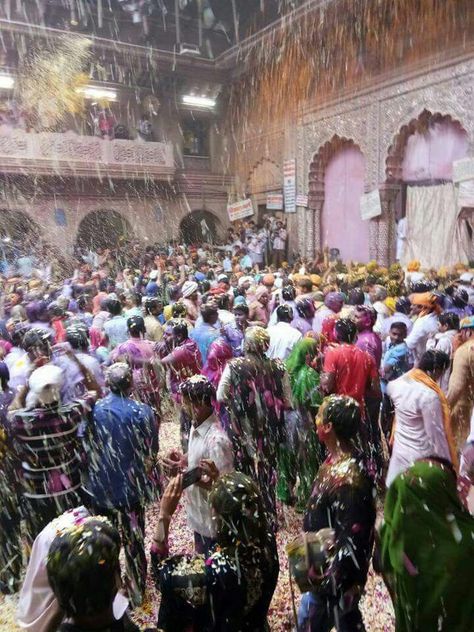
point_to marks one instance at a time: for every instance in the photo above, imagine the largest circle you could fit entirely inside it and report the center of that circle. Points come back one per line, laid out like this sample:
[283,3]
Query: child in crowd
[395,362]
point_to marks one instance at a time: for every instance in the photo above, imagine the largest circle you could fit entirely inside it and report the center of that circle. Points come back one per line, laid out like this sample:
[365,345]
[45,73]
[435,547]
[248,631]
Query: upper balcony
[69,154]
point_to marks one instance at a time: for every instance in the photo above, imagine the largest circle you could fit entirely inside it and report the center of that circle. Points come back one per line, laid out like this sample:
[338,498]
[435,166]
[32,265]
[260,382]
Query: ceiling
[212,26]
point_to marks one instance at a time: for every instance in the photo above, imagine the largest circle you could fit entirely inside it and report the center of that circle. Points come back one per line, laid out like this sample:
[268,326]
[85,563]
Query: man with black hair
[423,424]
[153,309]
[123,443]
[342,500]
[401,315]
[83,571]
[78,337]
[140,355]
[203,334]
[208,448]
[347,369]
[116,328]
[283,336]
[444,340]
[234,333]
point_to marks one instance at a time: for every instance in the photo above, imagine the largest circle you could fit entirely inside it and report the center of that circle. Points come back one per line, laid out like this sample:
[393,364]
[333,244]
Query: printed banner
[241,209]
[275,202]
[302,200]
[370,205]
[289,185]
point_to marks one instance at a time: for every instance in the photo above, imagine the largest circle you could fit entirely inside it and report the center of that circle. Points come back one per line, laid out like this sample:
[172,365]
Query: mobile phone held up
[191,476]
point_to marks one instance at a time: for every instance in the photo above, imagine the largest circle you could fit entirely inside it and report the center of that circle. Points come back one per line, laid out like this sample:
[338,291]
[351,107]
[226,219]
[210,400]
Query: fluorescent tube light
[6,82]
[200,102]
[91,92]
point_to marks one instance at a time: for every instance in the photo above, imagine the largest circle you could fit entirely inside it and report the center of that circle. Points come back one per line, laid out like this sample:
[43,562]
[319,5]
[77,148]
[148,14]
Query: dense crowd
[337,389]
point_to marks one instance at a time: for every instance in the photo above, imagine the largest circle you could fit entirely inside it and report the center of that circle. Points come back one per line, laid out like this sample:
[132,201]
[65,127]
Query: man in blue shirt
[122,445]
[207,331]
[116,328]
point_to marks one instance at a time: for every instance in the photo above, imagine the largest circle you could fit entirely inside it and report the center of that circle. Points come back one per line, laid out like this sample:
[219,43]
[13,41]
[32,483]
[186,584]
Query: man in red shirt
[350,371]
[347,369]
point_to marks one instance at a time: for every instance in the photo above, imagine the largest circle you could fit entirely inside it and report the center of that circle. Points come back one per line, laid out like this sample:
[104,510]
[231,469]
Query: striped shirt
[48,445]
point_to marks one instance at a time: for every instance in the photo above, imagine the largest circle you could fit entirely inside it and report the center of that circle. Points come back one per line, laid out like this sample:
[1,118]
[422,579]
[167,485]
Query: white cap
[153,274]
[45,384]
[466,277]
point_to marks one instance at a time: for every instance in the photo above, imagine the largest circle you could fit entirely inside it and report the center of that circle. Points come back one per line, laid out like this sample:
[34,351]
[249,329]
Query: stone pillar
[386,223]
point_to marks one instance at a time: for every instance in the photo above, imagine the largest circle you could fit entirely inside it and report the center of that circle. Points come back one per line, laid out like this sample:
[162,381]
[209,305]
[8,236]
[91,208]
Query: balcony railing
[197,163]
[49,153]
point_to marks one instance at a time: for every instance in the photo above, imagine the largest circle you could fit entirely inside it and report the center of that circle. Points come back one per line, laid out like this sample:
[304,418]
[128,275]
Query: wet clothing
[427,548]
[230,591]
[342,499]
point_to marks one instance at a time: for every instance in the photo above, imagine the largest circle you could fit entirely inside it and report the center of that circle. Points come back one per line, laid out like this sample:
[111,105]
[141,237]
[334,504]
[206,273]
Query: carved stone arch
[317,169]
[392,191]
[265,175]
[396,151]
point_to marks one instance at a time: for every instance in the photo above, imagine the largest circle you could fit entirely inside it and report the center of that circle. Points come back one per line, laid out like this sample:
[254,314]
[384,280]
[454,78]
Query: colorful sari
[427,550]
[302,454]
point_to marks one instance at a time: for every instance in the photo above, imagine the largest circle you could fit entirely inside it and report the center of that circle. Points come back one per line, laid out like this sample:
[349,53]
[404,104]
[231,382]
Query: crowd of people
[345,391]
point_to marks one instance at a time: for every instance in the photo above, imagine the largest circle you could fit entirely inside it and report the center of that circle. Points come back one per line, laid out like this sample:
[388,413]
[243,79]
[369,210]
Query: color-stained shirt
[123,434]
[116,330]
[47,442]
[353,370]
[208,441]
[184,361]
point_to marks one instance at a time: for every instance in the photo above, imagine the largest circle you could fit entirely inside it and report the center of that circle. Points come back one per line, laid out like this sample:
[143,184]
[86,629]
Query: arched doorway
[336,183]
[20,235]
[102,229]
[199,227]
[420,164]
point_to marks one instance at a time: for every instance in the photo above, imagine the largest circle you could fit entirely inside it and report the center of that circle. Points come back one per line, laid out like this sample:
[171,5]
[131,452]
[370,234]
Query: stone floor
[376,605]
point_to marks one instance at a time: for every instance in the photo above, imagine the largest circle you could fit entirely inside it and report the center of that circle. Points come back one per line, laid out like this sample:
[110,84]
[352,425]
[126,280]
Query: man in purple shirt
[364,318]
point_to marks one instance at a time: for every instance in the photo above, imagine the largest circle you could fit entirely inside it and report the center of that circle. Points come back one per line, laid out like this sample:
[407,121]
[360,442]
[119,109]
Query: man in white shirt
[420,429]
[210,449]
[283,336]
[426,307]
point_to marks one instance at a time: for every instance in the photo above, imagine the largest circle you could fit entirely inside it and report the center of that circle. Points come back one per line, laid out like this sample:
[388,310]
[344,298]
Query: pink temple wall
[430,155]
[341,224]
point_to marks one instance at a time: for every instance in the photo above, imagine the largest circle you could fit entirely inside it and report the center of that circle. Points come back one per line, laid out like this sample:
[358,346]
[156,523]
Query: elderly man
[377,296]
[333,303]
[122,445]
[190,299]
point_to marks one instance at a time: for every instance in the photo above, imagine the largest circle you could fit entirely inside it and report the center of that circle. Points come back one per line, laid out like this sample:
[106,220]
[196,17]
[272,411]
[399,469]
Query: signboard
[275,202]
[463,169]
[238,210]
[302,200]
[370,205]
[289,185]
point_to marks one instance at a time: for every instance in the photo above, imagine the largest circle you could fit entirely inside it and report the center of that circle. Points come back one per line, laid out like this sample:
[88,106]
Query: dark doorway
[199,227]
[102,229]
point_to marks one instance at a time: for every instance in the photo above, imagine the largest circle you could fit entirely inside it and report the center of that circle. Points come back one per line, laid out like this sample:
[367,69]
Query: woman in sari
[229,590]
[427,550]
[302,454]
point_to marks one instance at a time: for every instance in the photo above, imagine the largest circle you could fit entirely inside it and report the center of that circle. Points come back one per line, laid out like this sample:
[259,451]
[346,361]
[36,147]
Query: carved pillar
[318,211]
[390,195]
